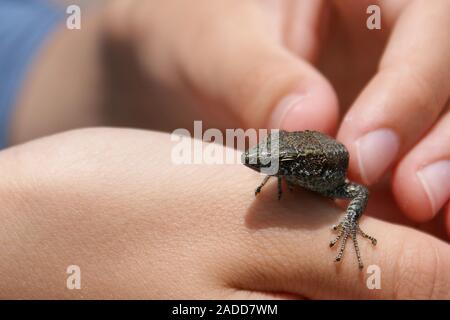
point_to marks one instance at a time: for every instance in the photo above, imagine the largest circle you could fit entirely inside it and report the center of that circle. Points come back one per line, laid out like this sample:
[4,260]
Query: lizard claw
[372,239]
[335,227]
[348,227]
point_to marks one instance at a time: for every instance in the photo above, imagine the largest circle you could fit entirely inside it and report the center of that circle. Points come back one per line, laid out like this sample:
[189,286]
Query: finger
[236,294]
[262,83]
[233,60]
[305,26]
[287,251]
[447,219]
[421,182]
[407,94]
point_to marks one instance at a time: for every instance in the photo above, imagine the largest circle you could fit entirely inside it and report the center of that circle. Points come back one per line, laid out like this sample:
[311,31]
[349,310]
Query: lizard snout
[250,159]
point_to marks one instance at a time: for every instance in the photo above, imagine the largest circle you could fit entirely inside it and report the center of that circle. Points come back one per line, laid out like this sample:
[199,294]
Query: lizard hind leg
[349,224]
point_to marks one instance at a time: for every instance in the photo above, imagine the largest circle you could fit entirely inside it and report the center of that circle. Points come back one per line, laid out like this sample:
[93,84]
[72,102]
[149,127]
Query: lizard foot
[348,227]
[263,183]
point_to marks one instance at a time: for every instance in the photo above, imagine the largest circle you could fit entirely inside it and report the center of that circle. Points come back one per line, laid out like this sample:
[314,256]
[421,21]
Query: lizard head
[258,157]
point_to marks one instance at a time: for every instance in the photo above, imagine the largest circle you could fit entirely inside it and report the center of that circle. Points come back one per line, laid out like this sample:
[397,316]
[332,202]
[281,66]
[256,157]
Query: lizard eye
[288,156]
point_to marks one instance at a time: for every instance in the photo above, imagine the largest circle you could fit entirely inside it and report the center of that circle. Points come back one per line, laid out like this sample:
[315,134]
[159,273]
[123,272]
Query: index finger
[406,95]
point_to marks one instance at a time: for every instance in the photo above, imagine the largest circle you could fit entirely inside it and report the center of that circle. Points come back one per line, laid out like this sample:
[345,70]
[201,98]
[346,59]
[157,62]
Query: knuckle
[423,91]
[414,91]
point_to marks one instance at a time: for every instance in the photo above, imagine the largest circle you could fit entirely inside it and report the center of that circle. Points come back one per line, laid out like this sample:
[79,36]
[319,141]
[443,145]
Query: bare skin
[53,185]
[111,201]
[148,75]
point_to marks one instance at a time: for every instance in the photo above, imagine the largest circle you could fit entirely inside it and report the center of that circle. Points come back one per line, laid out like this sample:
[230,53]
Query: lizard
[318,163]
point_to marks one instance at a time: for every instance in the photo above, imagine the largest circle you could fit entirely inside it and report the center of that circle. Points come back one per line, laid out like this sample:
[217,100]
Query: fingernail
[286,111]
[375,152]
[435,180]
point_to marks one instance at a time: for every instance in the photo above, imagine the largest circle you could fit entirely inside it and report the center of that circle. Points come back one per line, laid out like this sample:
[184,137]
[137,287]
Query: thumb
[229,55]
[232,59]
[264,85]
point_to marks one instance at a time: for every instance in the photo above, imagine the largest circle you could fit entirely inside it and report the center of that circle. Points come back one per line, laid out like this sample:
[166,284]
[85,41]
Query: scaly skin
[316,162]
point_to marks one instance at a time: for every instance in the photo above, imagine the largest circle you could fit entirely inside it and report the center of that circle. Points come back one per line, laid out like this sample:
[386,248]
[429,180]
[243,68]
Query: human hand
[271,64]
[139,226]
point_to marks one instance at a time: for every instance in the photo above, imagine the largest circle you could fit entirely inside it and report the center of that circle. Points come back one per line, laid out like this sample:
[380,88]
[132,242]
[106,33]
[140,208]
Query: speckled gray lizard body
[316,162]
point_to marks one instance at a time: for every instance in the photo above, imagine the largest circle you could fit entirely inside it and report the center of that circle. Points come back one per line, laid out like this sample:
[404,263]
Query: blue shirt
[24,25]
